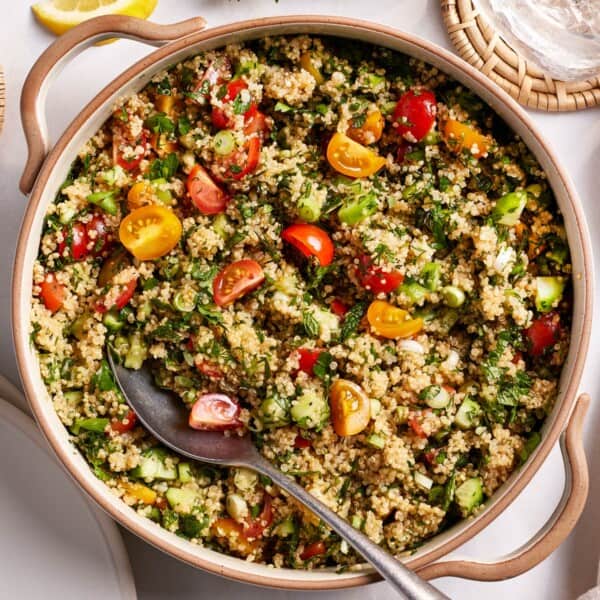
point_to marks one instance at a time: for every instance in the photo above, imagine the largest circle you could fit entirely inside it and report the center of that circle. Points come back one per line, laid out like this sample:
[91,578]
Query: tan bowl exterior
[89,120]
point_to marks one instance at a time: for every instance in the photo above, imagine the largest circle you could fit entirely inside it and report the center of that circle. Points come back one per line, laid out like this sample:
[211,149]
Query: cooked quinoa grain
[331,246]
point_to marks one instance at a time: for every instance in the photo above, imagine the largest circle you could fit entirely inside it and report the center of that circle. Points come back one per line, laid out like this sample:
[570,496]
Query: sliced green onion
[435,396]
[224,142]
[183,302]
[453,296]
[309,208]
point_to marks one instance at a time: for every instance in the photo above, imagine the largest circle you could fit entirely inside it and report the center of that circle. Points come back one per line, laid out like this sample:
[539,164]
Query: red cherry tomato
[416,426]
[255,121]
[233,89]
[339,308]
[414,114]
[236,280]
[215,412]
[209,369]
[52,293]
[219,118]
[77,239]
[543,333]
[301,442]
[125,424]
[129,162]
[206,195]
[311,241]
[256,527]
[122,299]
[430,456]
[216,73]
[314,549]
[308,359]
[403,149]
[99,235]
[240,163]
[377,279]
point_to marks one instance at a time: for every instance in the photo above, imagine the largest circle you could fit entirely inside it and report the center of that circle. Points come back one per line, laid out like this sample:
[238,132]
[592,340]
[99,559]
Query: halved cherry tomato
[370,131]
[162,145]
[219,118]
[114,264]
[255,121]
[52,293]
[350,407]
[206,195]
[403,149]
[129,162]
[460,136]
[543,333]
[161,503]
[98,235]
[240,163]
[76,237]
[234,88]
[431,455]
[209,369]
[233,532]
[150,232]
[414,114]
[392,322]
[236,280]
[302,443]
[307,359]
[215,412]
[339,308]
[165,103]
[216,73]
[122,299]
[314,549]
[351,158]
[311,241]
[256,527]
[416,426]
[377,279]
[127,423]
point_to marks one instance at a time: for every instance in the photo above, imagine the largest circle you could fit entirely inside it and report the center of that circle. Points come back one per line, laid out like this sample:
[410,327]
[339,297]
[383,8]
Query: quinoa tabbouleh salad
[332,246]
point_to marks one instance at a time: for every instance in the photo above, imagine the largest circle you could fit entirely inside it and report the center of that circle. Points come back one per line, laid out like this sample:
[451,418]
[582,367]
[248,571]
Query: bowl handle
[50,63]
[554,531]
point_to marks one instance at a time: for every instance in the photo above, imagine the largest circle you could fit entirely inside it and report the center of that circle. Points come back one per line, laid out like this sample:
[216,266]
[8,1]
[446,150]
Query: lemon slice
[60,15]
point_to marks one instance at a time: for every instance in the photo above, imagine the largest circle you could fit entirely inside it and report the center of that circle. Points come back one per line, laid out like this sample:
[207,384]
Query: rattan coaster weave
[481,46]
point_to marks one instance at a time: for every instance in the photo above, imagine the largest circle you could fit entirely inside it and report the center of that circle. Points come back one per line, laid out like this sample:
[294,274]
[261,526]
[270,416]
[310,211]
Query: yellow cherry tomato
[370,131]
[306,62]
[350,407]
[351,158]
[150,231]
[165,103]
[392,322]
[139,492]
[139,194]
[162,145]
[460,136]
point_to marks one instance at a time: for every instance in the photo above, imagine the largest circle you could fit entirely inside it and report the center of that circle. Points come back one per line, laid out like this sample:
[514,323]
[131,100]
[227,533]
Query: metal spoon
[167,420]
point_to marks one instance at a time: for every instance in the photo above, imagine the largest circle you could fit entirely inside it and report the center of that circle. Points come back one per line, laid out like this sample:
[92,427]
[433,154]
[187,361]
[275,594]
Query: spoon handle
[406,582]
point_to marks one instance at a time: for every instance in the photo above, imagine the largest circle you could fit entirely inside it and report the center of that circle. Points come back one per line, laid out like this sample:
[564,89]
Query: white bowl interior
[505,108]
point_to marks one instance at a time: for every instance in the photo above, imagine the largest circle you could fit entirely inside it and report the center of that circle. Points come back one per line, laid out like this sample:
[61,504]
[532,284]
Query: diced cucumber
[549,292]
[357,522]
[237,507]
[73,397]
[423,481]
[152,466]
[431,275]
[508,209]
[453,296]
[95,424]
[402,413]
[469,495]
[220,225]
[137,352]
[376,441]
[415,292]
[244,479]
[358,209]
[274,411]
[309,207]
[468,414]
[181,500]
[184,472]
[286,528]
[164,195]
[435,396]
[310,410]
[111,320]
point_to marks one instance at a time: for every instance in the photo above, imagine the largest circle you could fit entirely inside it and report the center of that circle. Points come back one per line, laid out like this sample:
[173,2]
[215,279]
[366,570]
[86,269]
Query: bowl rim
[113,505]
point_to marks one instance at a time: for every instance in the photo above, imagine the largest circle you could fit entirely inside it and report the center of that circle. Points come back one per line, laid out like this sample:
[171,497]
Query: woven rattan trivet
[480,45]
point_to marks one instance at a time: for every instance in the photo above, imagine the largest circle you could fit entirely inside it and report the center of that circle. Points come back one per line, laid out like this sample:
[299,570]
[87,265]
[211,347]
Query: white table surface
[576,139]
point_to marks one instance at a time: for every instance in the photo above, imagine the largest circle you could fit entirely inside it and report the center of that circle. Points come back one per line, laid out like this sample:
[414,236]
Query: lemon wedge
[60,15]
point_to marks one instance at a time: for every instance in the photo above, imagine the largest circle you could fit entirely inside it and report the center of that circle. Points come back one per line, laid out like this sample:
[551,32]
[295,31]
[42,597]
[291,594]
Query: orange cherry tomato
[233,532]
[52,293]
[162,145]
[127,423]
[310,240]
[460,136]
[139,491]
[165,103]
[307,64]
[214,412]
[314,549]
[140,193]
[236,280]
[370,131]
[150,232]
[350,407]
[206,195]
[351,158]
[392,322]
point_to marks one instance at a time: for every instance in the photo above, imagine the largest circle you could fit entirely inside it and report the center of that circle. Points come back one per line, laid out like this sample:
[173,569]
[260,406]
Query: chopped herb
[352,320]
[160,123]
[321,367]
[311,325]
[164,168]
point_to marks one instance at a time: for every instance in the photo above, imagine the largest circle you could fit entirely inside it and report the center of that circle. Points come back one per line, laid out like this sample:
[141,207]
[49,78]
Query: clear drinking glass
[561,36]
